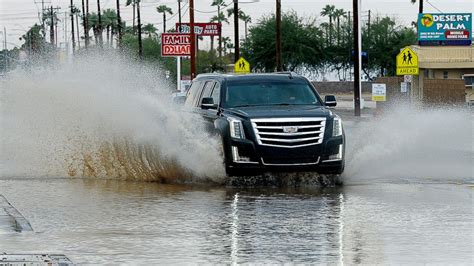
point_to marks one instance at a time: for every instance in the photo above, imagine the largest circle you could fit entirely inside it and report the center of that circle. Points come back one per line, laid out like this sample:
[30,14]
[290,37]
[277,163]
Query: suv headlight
[337,126]
[236,128]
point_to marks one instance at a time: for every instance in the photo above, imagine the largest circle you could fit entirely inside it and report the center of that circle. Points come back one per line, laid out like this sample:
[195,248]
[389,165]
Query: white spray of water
[101,117]
[412,145]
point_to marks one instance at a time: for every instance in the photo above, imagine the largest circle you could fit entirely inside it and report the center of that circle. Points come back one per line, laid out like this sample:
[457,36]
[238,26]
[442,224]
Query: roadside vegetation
[314,46]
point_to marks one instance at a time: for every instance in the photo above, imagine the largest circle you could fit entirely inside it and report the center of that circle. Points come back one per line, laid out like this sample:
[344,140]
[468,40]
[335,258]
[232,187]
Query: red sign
[202,29]
[175,44]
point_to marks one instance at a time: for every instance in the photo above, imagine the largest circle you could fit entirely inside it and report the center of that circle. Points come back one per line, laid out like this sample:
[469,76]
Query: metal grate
[289,132]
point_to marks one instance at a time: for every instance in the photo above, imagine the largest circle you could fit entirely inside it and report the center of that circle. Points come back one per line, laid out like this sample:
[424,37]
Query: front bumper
[246,155]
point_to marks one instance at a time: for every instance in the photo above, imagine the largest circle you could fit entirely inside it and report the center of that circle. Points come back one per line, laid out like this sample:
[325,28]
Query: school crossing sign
[242,66]
[407,62]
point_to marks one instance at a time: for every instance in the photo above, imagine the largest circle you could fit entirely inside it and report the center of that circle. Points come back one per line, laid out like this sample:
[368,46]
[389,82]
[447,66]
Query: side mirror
[208,103]
[330,101]
[179,100]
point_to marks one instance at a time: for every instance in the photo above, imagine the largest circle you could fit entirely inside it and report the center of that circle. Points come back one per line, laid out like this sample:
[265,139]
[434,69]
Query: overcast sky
[18,15]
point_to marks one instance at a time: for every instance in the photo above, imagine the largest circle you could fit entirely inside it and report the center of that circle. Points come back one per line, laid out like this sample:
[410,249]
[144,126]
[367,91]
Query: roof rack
[289,73]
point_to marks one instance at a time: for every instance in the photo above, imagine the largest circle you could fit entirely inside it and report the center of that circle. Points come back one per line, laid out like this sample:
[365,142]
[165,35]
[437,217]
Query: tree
[34,40]
[328,11]
[246,19]
[93,23]
[386,40]
[110,22]
[136,4]
[301,44]
[338,13]
[149,29]
[220,18]
[164,9]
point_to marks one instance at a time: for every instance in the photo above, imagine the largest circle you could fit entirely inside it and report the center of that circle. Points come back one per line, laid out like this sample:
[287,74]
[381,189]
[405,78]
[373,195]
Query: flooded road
[100,221]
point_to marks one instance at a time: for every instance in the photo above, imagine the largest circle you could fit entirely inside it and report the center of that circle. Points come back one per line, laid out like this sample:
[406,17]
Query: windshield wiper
[246,105]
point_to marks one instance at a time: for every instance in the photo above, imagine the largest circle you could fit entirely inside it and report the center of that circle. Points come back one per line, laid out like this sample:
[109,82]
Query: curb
[17,220]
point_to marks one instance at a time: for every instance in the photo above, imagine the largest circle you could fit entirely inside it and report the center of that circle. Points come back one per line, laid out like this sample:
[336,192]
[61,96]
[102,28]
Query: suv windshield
[258,93]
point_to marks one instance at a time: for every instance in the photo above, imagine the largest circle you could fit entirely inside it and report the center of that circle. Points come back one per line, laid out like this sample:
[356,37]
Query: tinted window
[216,93]
[269,93]
[193,92]
[207,91]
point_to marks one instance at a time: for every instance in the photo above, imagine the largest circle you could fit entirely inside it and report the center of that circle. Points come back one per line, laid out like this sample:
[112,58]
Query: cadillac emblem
[290,129]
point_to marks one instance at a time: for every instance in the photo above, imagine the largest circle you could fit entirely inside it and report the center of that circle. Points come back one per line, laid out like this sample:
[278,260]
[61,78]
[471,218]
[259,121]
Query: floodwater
[110,221]
[85,150]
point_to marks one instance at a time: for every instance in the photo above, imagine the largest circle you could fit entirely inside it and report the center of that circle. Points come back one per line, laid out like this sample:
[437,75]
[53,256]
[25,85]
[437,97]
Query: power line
[429,3]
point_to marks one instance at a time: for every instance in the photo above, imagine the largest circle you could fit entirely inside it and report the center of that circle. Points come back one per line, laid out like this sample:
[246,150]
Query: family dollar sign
[407,62]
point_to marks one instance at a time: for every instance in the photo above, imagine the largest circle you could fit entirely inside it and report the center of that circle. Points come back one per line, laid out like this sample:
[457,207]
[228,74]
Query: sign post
[407,62]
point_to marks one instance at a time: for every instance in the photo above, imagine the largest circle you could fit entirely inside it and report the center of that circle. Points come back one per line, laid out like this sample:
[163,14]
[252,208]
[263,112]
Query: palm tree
[325,27]
[136,4]
[328,11]
[338,13]
[225,42]
[220,18]
[164,9]
[93,23]
[110,23]
[149,29]
[246,19]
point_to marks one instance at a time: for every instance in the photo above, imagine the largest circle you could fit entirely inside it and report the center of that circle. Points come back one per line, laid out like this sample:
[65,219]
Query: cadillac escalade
[269,122]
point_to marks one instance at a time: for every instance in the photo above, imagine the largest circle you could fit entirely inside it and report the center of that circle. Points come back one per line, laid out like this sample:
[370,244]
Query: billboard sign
[445,28]
[201,29]
[175,44]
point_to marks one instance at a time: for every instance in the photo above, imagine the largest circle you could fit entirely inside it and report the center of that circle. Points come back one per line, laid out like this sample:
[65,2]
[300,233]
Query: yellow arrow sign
[242,66]
[407,62]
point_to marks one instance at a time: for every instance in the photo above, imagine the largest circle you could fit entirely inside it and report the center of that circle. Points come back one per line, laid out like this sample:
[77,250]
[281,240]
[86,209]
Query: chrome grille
[289,132]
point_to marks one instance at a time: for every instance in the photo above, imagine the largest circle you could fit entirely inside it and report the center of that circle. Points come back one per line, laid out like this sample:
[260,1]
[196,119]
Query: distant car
[269,122]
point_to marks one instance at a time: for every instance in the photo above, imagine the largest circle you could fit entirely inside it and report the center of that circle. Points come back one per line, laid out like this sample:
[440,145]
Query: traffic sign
[407,62]
[408,78]
[242,66]
[379,92]
[404,87]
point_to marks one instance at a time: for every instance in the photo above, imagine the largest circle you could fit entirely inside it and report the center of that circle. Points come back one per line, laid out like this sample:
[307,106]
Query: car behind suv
[269,122]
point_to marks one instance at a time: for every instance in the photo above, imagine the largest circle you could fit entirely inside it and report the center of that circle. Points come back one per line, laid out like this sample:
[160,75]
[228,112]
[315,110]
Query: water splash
[100,116]
[412,145]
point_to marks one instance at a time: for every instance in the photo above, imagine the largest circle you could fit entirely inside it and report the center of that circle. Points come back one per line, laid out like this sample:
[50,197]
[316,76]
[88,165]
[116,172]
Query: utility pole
[5,50]
[236,31]
[77,30]
[100,23]
[84,23]
[119,22]
[278,36]
[193,39]
[140,45]
[179,15]
[133,17]
[357,58]
[51,26]
[72,27]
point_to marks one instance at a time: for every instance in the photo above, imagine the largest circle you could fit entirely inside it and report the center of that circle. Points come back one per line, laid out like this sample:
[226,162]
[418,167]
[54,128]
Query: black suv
[274,122]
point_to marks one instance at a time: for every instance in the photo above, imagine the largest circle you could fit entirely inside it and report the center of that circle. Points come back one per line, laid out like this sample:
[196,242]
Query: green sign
[445,28]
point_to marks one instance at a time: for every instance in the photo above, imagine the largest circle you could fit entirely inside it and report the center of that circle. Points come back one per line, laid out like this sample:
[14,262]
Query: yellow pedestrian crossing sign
[242,66]
[407,62]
